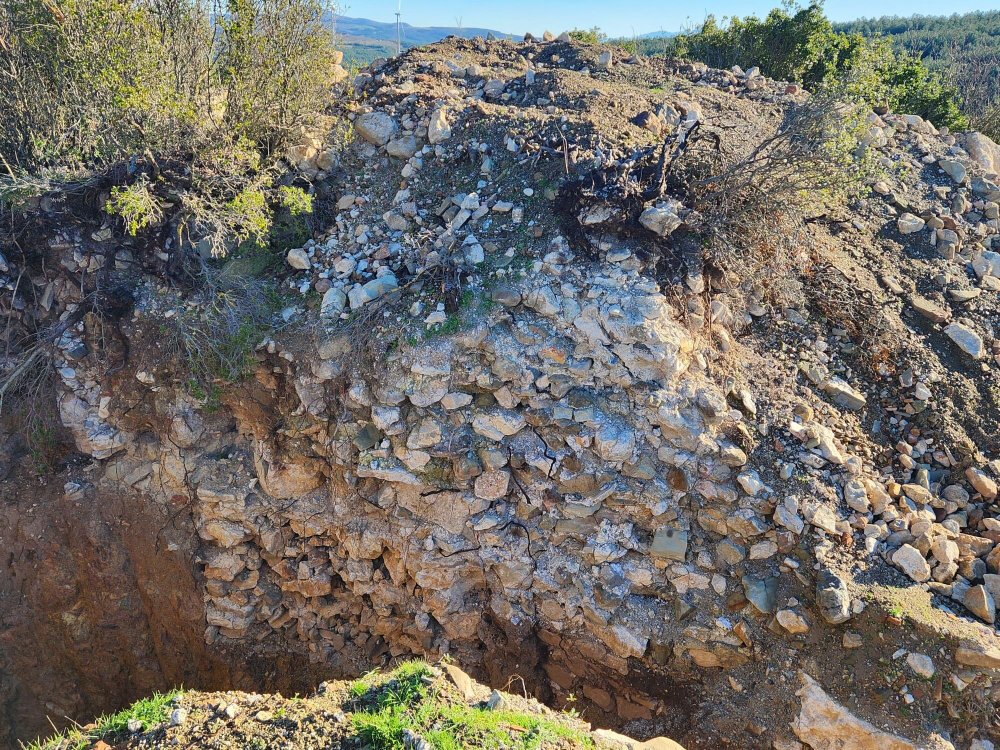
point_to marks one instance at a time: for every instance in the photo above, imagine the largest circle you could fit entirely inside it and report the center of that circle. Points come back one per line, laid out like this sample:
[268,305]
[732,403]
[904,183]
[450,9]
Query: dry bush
[977,78]
[753,212]
[216,337]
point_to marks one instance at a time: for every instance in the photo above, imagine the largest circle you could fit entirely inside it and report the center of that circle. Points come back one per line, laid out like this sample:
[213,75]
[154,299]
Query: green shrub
[588,36]
[136,205]
[276,59]
[296,200]
[801,45]
[89,82]
[93,80]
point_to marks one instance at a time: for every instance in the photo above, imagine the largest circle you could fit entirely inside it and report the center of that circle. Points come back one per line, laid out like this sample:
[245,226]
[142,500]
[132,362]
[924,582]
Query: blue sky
[621,17]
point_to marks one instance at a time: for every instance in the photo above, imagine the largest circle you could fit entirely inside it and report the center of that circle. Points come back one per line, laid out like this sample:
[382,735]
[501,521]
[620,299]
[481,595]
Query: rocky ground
[545,437]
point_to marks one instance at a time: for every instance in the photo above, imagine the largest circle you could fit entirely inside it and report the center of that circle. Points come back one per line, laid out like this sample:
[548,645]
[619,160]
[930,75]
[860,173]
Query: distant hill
[412,35]
[363,40]
[659,35]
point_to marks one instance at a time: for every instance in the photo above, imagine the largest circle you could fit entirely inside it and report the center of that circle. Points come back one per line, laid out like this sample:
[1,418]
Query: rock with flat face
[954,169]
[614,442]
[980,602]
[921,664]
[661,219]
[298,259]
[967,340]
[984,151]
[438,129]
[761,593]
[376,127]
[792,621]
[669,544]
[841,392]
[973,654]
[832,597]
[982,483]
[909,224]
[402,148]
[824,724]
[910,561]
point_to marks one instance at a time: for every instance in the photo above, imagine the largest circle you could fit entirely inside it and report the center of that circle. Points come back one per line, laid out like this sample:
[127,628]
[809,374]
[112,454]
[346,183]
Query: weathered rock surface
[824,724]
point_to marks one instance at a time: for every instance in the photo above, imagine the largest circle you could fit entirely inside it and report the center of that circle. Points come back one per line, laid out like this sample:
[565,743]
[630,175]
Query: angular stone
[669,544]
[980,602]
[929,309]
[544,301]
[832,597]
[966,339]
[761,593]
[402,148]
[661,219]
[908,223]
[492,485]
[498,424]
[452,401]
[792,621]
[786,514]
[376,127]
[911,562]
[944,550]
[298,259]
[824,724]
[460,680]
[842,392]
[918,493]
[983,150]
[438,129]
[614,442]
[983,484]
[954,169]
[973,654]
[333,303]
[426,434]
[921,664]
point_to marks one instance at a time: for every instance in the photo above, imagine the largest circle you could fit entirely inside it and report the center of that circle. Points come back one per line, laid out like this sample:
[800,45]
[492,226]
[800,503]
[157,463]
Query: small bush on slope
[186,103]
[88,82]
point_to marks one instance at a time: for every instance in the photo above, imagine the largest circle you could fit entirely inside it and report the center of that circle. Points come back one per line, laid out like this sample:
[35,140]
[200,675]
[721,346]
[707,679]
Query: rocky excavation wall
[575,488]
[556,492]
[512,492]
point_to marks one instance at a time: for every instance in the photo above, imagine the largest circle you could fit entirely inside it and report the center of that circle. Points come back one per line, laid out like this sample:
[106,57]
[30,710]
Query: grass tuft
[149,712]
[405,701]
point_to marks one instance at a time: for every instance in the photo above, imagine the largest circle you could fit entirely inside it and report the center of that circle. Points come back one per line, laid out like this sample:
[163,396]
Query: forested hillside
[965,49]
[935,37]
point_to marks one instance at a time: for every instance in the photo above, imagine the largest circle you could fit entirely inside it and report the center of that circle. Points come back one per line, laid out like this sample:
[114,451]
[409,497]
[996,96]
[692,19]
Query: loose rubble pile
[628,489]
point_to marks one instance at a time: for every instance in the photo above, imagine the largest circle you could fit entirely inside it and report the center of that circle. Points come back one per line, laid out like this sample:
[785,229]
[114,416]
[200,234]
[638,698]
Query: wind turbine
[399,28]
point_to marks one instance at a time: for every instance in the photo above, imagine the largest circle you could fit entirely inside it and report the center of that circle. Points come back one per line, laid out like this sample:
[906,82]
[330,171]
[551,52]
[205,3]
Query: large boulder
[824,724]
[984,151]
[376,127]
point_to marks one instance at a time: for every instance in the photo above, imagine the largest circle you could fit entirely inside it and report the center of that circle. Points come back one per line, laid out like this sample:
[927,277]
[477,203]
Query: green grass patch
[405,701]
[149,712]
